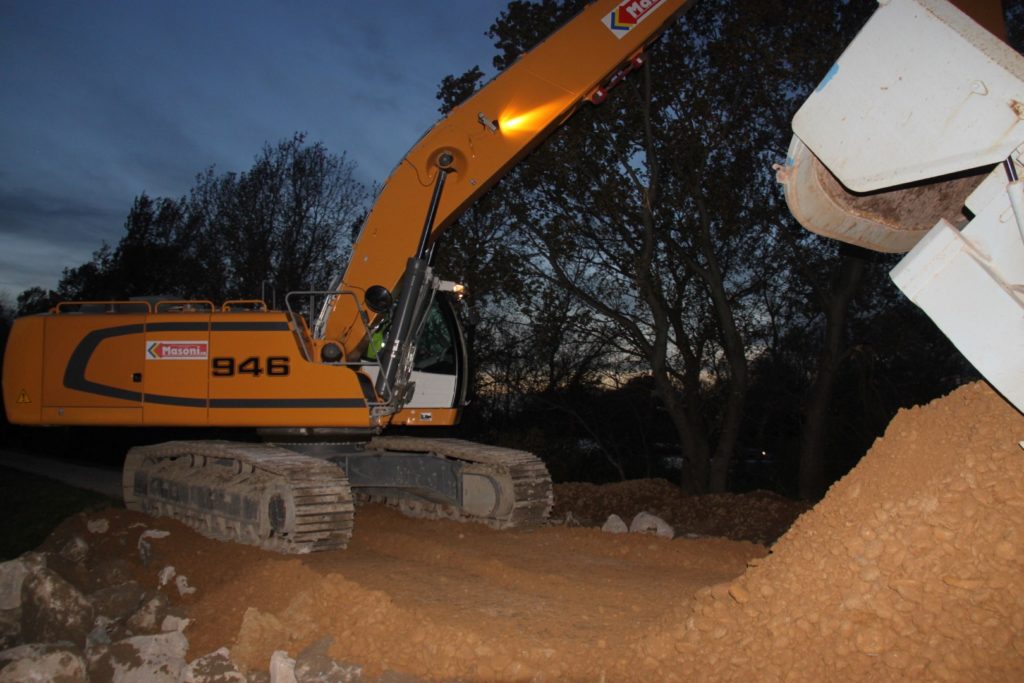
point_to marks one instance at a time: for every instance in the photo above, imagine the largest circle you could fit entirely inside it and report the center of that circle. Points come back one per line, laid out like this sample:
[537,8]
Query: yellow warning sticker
[23,397]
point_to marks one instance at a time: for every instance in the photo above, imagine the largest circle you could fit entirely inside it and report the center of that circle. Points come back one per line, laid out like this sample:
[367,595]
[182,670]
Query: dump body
[912,143]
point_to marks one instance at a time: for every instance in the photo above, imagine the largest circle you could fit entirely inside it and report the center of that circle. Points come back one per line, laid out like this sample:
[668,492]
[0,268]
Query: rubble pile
[71,615]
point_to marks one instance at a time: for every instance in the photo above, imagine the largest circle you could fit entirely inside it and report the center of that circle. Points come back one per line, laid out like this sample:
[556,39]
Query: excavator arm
[468,151]
[83,364]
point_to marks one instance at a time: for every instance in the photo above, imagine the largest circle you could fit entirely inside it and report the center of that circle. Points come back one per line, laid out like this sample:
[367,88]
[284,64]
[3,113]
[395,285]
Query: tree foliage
[641,302]
[280,226]
[651,227]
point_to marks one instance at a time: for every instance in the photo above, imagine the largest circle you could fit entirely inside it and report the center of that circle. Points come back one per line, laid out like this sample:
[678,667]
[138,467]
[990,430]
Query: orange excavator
[913,142]
[325,378]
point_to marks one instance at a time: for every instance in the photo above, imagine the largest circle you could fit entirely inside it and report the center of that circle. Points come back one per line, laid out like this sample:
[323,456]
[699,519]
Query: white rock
[98,526]
[646,523]
[215,667]
[315,665]
[615,525]
[10,628]
[54,610]
[166,574]
[149,616]
[144,546]
[147,659]
[100,634]
[12,575]
[75,550]
[173,623]
[282,668]
[182,583]
[39,662]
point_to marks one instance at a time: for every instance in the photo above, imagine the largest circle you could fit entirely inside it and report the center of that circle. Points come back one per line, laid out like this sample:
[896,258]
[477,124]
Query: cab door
[440,367]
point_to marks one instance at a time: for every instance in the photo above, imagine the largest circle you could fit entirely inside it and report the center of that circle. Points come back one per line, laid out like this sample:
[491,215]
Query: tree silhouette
[282,225]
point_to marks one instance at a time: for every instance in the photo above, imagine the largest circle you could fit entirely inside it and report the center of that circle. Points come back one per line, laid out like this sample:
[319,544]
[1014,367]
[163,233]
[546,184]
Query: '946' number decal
[254,366]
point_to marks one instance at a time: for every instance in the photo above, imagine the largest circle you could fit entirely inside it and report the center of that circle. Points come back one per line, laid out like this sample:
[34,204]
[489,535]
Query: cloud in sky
[105,100]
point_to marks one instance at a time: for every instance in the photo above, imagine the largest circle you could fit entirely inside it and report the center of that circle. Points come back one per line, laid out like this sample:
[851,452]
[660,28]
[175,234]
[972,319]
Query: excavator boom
[485,136]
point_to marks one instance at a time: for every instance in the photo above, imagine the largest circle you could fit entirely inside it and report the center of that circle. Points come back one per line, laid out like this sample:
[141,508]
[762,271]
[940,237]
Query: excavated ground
[912,567]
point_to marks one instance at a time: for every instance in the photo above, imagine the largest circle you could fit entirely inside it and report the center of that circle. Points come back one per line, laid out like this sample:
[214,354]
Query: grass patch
[32,506]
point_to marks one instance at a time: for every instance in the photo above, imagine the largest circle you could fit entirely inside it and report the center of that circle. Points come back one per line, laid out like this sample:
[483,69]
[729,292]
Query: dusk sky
[103,101]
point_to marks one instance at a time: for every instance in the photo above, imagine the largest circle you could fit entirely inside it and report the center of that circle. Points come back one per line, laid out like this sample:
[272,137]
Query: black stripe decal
[178,327]
[74,374]
[250,327]
[176,401]
[255,402]
[287,403]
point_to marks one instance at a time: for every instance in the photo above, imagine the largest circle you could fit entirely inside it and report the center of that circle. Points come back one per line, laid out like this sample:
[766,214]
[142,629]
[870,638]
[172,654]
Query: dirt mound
[445,601]
[911,567]
[437,600]
[760,517]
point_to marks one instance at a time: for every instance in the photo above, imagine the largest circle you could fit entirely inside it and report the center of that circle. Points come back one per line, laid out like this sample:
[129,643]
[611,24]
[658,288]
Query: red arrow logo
[177,350]
[630,13]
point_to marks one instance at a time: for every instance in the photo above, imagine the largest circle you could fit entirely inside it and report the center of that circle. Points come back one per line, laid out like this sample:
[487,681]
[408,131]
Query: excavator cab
[439,378]
[440,365]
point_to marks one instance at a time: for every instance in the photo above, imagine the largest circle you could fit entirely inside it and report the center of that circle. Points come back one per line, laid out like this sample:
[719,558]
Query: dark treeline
[641,302]
[641,296]
[283,225]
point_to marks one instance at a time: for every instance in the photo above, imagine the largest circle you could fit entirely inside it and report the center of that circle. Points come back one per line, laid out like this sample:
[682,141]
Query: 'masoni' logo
[628,14]
[177,350]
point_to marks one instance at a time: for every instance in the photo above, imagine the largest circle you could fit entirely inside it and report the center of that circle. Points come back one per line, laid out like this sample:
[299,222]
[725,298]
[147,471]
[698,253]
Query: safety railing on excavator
[101,307]
[159,306]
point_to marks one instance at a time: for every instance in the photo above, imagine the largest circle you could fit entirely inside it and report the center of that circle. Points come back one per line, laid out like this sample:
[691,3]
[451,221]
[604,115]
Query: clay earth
[911,568]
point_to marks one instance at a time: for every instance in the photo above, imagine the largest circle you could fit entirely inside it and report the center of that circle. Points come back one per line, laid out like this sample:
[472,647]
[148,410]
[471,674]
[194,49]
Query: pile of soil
[437,600]
[910,568]
[760,517]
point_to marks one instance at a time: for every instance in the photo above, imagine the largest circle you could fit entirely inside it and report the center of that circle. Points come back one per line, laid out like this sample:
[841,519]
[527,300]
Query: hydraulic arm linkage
[418,283]
[468,151]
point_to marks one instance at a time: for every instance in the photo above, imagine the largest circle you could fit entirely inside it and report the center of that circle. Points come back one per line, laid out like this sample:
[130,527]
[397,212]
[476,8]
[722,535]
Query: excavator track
[522,481]
[248,493]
